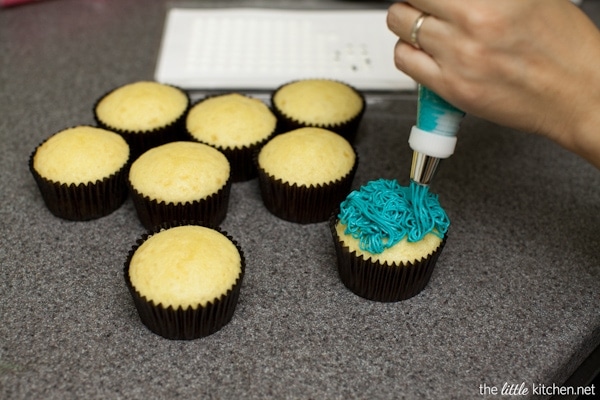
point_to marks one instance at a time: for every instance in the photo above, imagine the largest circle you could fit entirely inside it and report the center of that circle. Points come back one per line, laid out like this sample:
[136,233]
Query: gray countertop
[514,297]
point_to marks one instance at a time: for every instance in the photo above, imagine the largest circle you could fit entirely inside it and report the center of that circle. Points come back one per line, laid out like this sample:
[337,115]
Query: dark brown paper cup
[84,201]
[190,323]
[382,282]
[300,203]
[210,211]
[347,129]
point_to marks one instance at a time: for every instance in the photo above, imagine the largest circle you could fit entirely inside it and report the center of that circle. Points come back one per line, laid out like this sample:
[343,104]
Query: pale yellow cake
[179,172]
[307,156]
[318,101]
[230,121]
[402,252]
[142,106]
[81,154]
[186,266]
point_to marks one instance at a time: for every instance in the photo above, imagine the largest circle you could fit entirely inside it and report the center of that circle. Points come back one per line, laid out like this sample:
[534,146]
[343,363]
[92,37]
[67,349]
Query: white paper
[252,48]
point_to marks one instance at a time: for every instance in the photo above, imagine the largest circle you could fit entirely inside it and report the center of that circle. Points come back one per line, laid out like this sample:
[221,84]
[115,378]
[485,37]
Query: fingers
[443,9]
[402,19]
[416,63]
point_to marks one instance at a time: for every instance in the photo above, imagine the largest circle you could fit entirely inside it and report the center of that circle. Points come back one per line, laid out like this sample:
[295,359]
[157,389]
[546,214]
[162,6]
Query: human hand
[532,65]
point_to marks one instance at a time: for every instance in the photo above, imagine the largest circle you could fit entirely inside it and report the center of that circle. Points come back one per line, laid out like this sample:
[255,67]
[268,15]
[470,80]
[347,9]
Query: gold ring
[414,33]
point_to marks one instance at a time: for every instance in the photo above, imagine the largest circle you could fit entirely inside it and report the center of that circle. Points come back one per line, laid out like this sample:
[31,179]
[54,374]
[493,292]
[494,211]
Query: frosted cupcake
[185,280]
[180,181]
[388,239]
[81,172]
[147,114]
[237,125]
[305,173]
[322,103]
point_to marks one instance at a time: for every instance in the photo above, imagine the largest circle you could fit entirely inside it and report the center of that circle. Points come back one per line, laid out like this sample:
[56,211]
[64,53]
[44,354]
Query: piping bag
[434,136]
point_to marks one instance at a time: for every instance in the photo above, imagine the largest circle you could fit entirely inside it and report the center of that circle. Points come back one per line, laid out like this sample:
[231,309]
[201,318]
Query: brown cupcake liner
[141,141]
[300,203]
[347,129]
[382,282]
[210,211]
[188,323]
[84,201]
[240,158]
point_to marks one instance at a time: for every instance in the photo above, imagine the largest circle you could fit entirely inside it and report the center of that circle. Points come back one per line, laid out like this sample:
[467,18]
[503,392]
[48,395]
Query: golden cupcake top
[230,120]
[318,101]
[402,252]
[180,172]
[186,266]
[307,156]
[142,106]
[81,154]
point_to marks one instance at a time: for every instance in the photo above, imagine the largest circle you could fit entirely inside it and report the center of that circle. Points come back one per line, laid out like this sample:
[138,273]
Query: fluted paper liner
[347,129]
[189,323]
[241,159]
[84,201]
[140,141]
[300,203]
[210,211]
[380,281]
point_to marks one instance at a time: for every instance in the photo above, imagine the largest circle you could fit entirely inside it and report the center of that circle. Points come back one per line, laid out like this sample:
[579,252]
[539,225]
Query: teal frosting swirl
[382,212]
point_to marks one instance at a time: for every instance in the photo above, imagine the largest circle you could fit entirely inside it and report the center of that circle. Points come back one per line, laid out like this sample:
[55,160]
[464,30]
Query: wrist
[581,105]
[577,128]
[573,119]
[585,136]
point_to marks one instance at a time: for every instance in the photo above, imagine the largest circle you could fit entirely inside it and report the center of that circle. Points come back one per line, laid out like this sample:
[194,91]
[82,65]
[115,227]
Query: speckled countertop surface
[515,296]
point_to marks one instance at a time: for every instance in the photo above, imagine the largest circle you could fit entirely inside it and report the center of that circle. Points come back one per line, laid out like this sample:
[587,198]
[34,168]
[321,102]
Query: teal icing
[382,212]
[435,114]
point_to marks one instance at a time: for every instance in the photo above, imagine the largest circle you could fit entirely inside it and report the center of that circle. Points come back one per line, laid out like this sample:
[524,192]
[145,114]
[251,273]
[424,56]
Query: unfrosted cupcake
[185,280]
[180,181]
[322,103]
[81,172]
[305,173]
[147,114]
[388,239]
[237,125]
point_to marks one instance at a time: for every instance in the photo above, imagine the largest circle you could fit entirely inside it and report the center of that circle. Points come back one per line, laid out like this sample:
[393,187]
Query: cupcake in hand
[388,239]
[81,172]
[305,173]
[185,280]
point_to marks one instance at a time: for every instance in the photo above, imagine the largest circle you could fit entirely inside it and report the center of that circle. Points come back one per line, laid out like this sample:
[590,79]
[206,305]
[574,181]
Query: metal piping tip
[423,168]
